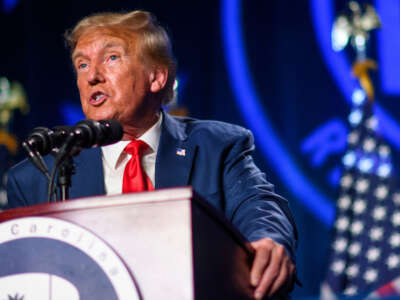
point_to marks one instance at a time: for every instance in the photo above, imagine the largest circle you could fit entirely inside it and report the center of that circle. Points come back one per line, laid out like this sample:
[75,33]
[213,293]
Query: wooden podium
[166,244]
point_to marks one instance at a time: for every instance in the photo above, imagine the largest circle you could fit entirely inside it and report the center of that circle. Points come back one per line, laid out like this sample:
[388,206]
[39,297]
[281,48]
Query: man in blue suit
[125,71]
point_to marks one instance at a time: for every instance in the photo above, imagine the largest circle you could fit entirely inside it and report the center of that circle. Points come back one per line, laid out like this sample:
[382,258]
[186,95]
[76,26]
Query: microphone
[89,133]
[85,134]
[67,139]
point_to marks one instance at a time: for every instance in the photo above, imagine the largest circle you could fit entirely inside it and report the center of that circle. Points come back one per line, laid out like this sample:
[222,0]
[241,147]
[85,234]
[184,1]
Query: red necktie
[135,179]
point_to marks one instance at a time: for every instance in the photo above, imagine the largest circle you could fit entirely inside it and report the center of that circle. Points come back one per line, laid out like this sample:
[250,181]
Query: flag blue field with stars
[365,256]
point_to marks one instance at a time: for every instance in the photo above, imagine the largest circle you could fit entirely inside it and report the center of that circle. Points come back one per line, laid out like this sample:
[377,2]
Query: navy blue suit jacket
[217,164]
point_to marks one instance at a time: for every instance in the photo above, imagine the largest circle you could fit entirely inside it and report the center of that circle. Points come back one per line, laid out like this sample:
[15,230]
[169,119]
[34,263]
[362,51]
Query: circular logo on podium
[48,258]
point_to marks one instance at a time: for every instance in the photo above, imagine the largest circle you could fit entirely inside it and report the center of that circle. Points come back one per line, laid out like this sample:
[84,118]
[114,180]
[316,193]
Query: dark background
[285,60]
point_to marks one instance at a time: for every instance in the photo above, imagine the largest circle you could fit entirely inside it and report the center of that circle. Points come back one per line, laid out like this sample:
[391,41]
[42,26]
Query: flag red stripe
[387,290]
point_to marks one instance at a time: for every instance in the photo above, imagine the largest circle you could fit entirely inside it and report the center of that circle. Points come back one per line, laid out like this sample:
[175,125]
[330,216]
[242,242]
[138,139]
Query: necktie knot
[136,147]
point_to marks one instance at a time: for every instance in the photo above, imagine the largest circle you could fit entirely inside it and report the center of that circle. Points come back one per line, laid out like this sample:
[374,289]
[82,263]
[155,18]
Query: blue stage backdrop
[266,65]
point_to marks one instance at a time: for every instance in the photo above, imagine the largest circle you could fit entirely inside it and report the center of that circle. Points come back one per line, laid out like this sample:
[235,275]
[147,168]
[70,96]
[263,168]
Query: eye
[113,57]
[82,66]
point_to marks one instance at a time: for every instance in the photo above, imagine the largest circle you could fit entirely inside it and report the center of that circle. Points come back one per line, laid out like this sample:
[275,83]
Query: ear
[158,79]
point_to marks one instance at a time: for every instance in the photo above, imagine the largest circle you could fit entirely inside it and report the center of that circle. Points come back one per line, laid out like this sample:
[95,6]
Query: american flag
[180,151]
[365,256]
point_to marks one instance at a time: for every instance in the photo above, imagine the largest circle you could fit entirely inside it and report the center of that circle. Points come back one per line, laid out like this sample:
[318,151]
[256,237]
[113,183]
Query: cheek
[125,89]
[85,108]
[80,86]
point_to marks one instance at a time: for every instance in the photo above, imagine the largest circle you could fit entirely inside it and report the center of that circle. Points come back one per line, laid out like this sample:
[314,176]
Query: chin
[99,116]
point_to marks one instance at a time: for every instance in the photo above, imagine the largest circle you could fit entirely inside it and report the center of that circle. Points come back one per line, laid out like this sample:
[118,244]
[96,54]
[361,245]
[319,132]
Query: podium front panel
[172,247]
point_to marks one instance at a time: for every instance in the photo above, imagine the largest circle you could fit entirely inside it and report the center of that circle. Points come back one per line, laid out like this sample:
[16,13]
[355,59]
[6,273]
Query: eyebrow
[106,46]
[113,44]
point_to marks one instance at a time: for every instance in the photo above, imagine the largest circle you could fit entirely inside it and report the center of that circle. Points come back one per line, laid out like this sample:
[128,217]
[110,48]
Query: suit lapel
[89,178]
[175,155]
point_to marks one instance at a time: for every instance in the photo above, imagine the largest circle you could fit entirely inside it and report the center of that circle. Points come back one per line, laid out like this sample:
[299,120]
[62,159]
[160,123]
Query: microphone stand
[66,170]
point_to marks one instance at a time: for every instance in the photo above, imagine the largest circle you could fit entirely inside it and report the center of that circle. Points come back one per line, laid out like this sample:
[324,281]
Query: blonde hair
[153,44]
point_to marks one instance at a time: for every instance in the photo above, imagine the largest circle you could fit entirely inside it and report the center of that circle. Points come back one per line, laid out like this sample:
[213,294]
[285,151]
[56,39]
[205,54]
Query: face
[112,82]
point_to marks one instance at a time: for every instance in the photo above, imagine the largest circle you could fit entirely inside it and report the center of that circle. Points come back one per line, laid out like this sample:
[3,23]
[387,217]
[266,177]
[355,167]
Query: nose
[95,75]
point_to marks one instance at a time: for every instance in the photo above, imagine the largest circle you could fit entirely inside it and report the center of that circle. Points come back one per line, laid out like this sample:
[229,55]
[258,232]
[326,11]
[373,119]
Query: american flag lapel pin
[180,151]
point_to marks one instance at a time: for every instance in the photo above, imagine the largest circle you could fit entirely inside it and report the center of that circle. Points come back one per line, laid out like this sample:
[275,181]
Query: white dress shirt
[115,159]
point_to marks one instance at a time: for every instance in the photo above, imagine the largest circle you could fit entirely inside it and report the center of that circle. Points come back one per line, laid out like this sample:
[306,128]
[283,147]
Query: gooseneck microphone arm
[42,141]
[36,158]
[64,164]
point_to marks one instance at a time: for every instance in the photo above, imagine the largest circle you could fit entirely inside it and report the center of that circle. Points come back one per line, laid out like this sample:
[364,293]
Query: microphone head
[62,130]
[60,135]
[44,140]
[113,131]
[86,133]
[40,139]
[99,133]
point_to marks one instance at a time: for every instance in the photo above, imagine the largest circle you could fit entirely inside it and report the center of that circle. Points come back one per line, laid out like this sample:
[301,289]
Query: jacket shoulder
[211,129]
[26,169]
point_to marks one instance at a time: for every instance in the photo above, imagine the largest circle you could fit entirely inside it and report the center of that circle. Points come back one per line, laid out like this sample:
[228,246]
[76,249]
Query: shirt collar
[112,153]
[152,136]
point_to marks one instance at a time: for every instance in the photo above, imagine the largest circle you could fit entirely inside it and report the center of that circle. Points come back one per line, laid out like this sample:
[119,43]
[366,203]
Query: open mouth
[98,98]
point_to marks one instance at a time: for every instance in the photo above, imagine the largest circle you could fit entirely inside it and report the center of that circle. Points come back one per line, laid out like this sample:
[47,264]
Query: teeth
[98,96]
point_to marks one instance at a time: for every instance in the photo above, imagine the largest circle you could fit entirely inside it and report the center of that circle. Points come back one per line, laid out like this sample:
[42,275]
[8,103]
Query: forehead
[102,37]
